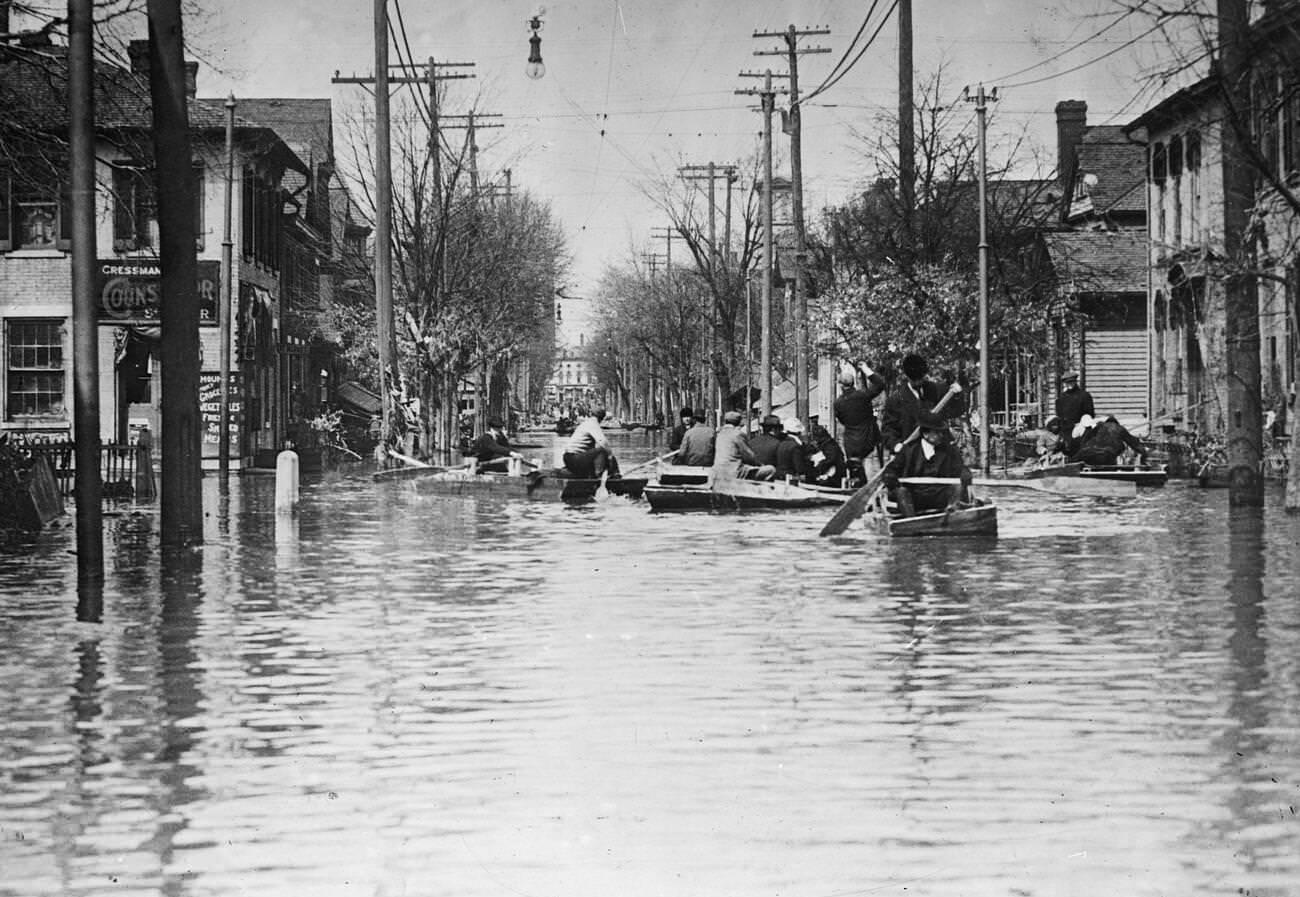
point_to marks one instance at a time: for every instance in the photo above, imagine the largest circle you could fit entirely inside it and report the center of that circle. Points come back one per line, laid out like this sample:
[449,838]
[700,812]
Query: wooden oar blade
[854,507]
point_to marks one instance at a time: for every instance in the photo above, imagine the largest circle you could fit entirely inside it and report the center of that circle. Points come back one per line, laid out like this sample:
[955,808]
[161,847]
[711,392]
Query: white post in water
[286,480]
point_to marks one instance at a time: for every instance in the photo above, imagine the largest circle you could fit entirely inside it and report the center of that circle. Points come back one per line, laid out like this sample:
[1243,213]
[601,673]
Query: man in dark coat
[765,444]
[492,450]
[1073,402]
[915,394]
[933,455]
[854,411]
[696,449]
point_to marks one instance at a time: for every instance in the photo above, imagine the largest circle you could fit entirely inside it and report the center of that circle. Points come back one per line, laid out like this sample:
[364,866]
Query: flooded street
[390,693]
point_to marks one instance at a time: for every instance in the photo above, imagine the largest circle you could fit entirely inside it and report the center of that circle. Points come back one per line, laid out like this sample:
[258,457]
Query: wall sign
[130,290]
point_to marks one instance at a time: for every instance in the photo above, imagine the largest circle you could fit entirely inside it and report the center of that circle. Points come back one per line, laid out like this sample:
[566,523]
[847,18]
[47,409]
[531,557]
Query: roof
[1118,165]
[305,124]
[1100,261]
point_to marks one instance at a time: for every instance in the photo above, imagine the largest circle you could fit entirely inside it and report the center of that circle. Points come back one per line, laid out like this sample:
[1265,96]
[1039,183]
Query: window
[32,216]
[200,194]
[135,210]
[34,373]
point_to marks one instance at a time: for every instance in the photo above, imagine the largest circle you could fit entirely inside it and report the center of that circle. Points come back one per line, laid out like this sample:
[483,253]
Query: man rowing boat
[588,454]
[933,455]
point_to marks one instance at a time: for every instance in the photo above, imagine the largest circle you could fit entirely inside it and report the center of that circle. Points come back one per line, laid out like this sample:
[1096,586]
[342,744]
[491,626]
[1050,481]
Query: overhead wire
[832,81]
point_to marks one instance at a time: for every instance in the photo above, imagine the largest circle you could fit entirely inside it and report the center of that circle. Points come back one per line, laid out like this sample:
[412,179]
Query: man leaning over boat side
[1101,442]
[588,454]
[696,448]
[933,455]
[492,449]
[733,459]
[915,394]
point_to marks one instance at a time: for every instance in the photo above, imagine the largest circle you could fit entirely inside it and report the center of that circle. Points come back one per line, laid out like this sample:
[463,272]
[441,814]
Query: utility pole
[906,133]
[1245,424]
[792,52]
[767,94]
[711,172]
[472,122]
[181,516]
[667,234]
[981,100]
[89,486]
[225,314]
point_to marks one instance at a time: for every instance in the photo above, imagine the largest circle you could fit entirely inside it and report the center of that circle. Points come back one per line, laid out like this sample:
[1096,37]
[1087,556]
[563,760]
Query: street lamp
[535,68]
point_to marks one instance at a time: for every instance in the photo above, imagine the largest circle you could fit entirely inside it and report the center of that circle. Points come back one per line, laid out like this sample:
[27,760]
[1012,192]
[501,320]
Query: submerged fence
[127,470]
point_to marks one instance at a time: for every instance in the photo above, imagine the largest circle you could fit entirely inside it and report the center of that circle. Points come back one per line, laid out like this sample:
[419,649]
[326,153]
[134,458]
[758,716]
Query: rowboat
[538,485]
[1132,473]
[976,518]
[1061,479]
[678,488]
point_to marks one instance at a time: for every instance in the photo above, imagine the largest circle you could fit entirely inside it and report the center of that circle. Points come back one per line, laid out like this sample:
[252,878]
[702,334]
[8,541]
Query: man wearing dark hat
[733,458]
[766,443]
[492,450]
[915,394]
[933,455]
[854,411]
[1073,402]
[679,431]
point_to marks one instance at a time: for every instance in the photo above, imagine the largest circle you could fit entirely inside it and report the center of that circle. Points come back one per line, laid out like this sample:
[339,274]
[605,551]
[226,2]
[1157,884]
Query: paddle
[857,503]
[651,461]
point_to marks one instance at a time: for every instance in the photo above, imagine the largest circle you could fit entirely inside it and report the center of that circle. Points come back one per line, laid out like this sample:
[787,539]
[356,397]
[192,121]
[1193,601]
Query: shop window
[34,370]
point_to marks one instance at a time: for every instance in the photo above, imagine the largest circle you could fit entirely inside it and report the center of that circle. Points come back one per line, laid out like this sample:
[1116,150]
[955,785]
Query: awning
[357,397]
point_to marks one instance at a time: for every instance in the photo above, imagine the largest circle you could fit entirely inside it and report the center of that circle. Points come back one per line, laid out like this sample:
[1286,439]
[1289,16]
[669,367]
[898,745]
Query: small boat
[538,485]
[678,488]
[1131,473]
[977,518]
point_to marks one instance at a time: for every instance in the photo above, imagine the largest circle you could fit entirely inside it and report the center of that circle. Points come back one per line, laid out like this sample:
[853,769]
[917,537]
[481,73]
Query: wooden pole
[225,312]
[85,325]
[384,324]
[765,346]
[181,517]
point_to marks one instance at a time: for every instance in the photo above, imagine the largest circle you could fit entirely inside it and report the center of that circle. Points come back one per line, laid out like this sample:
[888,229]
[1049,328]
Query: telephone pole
[767,94]
[906,134]
[666,233]
[710,172]
[792,52]
[981,101]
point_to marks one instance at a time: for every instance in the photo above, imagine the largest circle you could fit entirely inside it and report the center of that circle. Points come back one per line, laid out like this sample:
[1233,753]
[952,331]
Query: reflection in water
[400,693]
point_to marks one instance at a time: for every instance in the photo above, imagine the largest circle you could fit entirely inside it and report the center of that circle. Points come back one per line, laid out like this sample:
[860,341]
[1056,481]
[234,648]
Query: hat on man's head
[928,420]
[792,425]
[496,422]
[771,420]
[687,413]
[1069,375]
[915,367]
[732,417]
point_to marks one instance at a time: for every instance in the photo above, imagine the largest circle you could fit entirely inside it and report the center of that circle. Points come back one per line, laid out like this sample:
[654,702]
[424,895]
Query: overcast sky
[634,88]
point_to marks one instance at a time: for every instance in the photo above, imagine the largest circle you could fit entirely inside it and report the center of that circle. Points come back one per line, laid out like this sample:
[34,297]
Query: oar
[651,461]
[857,503]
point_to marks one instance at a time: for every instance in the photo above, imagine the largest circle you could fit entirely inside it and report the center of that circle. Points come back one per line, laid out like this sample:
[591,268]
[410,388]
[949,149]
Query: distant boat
[680,488]
[538,485]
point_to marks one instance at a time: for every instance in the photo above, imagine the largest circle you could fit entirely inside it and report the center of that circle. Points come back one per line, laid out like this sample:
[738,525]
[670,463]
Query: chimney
[1071,122]
[191,80]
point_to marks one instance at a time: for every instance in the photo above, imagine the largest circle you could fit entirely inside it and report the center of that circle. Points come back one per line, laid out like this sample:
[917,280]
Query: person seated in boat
[679,431]
[696,449]
[933,455]
[792,454]
[492,449]
[733,459]
[827,465]
[765,443]
[587,454]
[1100,443]
[915,394]
[854,411]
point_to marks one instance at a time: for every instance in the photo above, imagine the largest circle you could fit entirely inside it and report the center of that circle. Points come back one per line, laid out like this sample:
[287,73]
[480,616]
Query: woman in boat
[1100,443]
[588,454]
[791,454]
[933,455]
[492,450]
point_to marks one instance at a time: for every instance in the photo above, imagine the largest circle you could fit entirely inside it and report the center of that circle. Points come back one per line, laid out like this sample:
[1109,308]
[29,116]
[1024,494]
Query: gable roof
[1100,261]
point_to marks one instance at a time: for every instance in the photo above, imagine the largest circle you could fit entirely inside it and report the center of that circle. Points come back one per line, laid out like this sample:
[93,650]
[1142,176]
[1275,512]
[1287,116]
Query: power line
[831,82]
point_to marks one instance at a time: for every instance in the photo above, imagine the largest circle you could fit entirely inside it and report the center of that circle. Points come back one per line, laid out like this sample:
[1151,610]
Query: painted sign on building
[130,290]
[210,411]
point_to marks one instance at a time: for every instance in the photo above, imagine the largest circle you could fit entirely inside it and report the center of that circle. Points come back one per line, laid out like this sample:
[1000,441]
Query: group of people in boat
[1079,435]
[779,450]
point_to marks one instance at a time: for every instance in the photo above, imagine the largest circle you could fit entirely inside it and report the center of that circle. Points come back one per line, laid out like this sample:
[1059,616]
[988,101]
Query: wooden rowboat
[678,488]
[547,485]
[978,518]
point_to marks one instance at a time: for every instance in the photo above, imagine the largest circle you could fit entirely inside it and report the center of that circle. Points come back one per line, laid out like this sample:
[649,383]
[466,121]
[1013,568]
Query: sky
[635,88]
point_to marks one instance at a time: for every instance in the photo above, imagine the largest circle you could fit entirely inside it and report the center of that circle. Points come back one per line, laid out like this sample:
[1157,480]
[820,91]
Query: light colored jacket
[587,436]
[731,453]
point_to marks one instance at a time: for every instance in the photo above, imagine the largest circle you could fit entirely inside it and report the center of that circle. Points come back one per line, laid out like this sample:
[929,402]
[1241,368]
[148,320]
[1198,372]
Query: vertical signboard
[210,409]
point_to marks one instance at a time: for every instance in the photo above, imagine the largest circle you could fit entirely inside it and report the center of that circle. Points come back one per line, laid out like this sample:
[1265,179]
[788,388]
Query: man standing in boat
[492,450]
[854,411]
[933,455]
[915,394]
[1073,403]
[588,454]
[733,458]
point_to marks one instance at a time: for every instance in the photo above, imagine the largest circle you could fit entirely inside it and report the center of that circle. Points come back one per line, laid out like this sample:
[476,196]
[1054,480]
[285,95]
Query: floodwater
[389,693]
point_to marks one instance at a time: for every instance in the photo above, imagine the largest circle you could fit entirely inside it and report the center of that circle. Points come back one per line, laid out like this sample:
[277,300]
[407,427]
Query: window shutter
[6,212]
[64,241]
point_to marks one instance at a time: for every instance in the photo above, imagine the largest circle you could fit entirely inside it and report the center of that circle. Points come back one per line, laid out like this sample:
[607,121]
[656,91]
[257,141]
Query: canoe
[676,492]
[1131,473]
[979,518]
[545,485]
